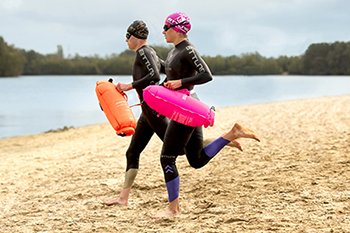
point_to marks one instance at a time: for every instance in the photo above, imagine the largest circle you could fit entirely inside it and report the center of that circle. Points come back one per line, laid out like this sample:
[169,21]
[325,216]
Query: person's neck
[179,40]
[140,44]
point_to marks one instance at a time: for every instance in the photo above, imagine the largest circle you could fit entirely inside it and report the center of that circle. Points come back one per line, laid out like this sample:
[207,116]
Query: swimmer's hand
[173,84]
[123,87]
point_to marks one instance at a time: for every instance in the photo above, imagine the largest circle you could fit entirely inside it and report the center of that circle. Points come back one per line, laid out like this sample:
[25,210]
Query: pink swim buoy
[178,106]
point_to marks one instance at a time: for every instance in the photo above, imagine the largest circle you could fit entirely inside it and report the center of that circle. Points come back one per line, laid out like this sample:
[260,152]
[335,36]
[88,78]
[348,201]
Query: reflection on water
[34,104]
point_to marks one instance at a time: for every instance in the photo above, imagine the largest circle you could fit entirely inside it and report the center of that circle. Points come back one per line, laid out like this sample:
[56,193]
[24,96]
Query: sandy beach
[297,179]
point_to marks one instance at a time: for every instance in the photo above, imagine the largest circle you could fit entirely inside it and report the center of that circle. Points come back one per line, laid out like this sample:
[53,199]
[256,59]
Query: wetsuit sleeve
[203,72]
[162,66]
[151,64]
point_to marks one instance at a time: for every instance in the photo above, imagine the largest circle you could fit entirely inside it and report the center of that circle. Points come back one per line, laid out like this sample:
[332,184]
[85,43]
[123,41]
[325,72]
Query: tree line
[12,60]
[318,59]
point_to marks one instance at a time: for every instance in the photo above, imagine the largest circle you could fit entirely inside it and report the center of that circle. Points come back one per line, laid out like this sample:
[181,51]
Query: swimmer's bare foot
[173,209]
[116,201]
[122,199]
[239,131]
[235,144]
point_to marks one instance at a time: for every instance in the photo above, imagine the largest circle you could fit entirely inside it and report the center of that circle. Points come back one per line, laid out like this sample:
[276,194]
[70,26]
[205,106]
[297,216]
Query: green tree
[338,58]
[31,65]
[295,65]
[315,60]
[11,60]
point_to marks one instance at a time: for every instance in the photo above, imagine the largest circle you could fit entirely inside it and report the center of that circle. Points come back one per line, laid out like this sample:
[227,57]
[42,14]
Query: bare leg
[239,131]
[173,209]
[122,199]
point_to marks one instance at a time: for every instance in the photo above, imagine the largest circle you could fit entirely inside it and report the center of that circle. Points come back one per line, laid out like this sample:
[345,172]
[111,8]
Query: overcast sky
[219,27]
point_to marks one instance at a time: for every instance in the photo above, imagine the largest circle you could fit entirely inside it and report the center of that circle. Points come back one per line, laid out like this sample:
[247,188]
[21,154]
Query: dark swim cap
[138,29]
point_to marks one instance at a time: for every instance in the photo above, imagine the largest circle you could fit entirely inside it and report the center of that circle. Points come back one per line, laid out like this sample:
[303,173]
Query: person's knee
[194,164]
[167,160]
[168,163]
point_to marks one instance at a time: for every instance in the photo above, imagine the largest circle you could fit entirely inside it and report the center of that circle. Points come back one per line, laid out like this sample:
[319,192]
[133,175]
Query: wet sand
[297,179]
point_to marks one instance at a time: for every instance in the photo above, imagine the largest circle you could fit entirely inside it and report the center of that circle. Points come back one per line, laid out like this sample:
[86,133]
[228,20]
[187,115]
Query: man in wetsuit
[146,70]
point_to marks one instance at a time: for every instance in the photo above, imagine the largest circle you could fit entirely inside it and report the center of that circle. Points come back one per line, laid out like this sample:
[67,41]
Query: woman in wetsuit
[184,69]
[146,70]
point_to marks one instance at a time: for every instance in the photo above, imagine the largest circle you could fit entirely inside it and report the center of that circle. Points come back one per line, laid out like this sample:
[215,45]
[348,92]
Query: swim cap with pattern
[138,29]
[178,18]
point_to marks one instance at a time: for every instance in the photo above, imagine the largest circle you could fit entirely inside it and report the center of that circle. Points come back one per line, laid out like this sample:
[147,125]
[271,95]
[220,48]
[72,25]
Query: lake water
[35,104]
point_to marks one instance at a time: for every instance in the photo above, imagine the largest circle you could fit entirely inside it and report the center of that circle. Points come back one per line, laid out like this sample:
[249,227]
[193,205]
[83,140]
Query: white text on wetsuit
[195,59]
[147,63]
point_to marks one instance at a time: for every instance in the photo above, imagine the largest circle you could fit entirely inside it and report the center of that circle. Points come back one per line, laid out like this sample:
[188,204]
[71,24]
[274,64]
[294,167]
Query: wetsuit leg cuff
[215,146]
[173,187]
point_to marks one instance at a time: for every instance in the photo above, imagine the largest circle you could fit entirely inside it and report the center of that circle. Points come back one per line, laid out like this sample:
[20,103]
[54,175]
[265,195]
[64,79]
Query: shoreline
[295,180]
[66,127]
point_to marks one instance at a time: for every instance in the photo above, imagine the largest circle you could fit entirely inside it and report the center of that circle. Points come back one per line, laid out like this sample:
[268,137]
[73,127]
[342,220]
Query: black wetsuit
[183,62]
[145,72]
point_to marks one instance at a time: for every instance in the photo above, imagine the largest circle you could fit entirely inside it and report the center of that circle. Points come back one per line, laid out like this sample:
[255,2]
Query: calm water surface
[35,104]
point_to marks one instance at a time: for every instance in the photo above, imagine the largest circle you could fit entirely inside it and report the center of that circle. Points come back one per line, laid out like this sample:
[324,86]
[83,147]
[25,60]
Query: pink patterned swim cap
[181,20]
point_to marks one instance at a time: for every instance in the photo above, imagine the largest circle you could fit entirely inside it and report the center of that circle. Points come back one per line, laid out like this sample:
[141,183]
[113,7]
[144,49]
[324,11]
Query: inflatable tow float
[178,106]
[116,108]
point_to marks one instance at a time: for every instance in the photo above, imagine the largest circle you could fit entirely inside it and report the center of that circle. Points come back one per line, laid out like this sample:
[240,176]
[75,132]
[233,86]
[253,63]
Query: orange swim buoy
[117,110]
